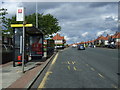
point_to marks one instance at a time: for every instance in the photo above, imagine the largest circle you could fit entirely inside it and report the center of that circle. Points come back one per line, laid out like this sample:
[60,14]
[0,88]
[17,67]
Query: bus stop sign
[20,14]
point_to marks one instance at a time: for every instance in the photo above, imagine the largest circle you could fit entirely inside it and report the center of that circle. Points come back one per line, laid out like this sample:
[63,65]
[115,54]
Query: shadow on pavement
[37,62]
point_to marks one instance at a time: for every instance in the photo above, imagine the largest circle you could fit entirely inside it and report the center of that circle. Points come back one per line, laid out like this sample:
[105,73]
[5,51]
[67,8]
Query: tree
[3,12]
[49,24]
[3,19]
[46,23]
[5,22]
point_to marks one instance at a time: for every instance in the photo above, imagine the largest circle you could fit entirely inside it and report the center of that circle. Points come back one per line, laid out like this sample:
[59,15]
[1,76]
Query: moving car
[80,47]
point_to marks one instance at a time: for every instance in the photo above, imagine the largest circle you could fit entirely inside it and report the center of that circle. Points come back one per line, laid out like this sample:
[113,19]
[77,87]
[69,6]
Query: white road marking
[92,69]
[101,75]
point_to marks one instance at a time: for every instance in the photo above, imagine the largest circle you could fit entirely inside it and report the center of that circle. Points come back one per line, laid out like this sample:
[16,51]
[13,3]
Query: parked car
[92,46]
[74,45]
[80,47]
[111,46]
[59,47]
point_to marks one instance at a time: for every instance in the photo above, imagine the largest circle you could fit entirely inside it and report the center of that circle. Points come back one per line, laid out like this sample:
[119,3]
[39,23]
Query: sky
[79,21]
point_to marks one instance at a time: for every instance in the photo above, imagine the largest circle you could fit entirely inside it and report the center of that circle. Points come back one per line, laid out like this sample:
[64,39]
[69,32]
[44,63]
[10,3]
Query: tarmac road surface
[90,68]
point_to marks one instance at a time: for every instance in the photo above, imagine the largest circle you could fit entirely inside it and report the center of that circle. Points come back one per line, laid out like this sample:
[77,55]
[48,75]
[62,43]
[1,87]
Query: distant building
[115,39]
[101,41]
[45,42]
[59,41]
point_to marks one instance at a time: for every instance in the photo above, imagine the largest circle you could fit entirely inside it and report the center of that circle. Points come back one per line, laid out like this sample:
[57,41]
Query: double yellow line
[42,84]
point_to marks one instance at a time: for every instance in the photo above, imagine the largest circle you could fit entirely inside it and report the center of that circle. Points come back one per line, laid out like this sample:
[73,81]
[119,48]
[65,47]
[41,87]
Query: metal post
[56,43]
[14,46]
[23,52]
[36,15]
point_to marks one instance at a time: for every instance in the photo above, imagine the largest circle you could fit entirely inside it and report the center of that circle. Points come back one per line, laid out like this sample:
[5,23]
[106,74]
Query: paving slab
[12,77]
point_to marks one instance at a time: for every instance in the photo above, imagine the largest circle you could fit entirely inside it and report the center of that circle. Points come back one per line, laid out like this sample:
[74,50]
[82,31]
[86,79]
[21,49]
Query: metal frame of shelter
[33,43]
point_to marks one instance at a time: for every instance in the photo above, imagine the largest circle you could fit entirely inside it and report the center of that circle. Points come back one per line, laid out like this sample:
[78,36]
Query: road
[90,68]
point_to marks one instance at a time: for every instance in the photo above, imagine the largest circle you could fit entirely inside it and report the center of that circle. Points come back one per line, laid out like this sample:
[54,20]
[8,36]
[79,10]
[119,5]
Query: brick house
[101,41]
[59,41]
[115,39]
[45,42]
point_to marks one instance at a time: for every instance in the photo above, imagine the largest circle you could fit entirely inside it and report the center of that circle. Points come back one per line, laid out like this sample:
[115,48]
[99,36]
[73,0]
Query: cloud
[79,18]
[101,4]
[67,38]
[80,21]
[85,34]
[100,33]
[104,32]
[63,0]
[11,7]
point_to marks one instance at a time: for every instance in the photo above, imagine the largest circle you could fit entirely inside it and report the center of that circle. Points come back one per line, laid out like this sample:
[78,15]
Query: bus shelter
[33,43]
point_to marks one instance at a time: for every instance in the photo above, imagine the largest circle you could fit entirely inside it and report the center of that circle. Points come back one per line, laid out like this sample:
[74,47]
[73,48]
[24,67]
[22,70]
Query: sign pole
[21,17]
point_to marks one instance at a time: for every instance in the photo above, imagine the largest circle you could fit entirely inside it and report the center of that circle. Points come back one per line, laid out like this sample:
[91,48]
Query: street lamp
[36,15]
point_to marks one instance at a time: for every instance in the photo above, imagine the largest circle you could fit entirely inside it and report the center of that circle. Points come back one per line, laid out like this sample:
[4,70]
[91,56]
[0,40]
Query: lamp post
[36,15]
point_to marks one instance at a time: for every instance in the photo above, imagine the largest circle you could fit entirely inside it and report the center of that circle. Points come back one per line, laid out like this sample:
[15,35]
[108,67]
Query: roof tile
[58,37]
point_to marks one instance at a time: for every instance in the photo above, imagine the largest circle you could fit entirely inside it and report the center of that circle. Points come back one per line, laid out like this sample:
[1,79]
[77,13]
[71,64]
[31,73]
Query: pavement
[90,68]
[12,77]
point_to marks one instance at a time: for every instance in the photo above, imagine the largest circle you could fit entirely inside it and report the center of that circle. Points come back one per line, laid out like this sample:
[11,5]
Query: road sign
[20,14]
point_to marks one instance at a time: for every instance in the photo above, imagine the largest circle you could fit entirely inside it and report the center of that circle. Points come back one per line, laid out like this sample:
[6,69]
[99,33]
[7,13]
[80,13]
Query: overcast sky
[80,21]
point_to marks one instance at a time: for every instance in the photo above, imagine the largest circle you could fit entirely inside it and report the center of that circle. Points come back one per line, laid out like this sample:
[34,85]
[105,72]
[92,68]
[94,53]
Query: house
[83,43]
[87,43]
[91,42]
[59,41]
[45,42]
[104,41]
[115,40]
[101,41]
[107,42]
[97,41]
